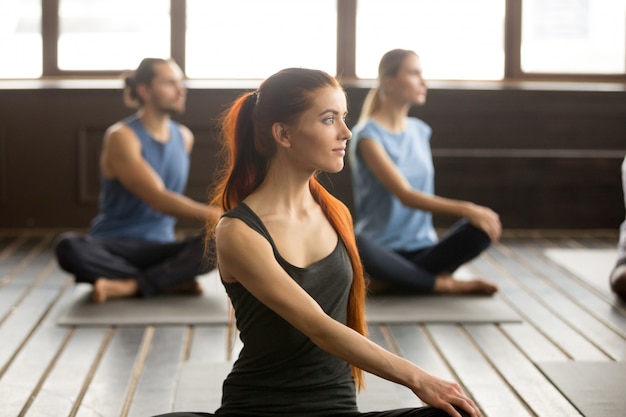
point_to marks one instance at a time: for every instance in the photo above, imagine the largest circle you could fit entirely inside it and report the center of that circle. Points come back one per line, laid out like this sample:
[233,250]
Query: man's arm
[122,160]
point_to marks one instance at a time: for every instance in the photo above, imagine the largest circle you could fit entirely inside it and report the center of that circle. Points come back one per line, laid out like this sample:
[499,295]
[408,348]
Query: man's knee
[66,249]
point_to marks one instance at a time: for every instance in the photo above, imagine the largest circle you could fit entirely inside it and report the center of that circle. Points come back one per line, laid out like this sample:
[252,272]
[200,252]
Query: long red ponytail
[339,216]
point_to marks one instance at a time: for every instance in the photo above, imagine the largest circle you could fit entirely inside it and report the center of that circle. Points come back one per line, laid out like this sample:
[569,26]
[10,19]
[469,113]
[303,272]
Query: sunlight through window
[112,34]
[225,42]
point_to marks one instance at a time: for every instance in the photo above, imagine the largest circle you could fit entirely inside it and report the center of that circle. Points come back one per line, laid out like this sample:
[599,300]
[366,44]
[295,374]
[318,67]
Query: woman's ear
[386,84]
[281,136]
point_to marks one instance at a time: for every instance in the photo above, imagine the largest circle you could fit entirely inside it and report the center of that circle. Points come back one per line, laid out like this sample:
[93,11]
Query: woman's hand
[445,395]
[486,220]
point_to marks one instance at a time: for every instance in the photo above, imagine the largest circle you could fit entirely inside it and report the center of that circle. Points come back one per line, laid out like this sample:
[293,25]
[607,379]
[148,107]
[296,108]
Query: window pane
[455,39]
[225,42]
[20,38]
[574,36]
[112,34]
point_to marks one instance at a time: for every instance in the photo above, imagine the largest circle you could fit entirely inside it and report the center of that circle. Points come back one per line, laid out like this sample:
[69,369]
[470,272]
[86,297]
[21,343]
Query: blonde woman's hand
[486,220]
[445,395]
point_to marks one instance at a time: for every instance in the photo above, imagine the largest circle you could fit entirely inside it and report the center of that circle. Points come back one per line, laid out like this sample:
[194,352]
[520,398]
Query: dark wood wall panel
[204,164]
[3,164]
[538,192]
[542,159]
[88,155]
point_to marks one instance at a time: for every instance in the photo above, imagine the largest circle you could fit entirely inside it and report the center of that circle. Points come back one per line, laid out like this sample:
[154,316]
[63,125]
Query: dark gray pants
[154,265]
[415,271]
[403,412]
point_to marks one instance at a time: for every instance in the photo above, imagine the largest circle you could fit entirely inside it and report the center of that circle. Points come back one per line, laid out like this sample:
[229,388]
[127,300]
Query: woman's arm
[383,168]
[246,257]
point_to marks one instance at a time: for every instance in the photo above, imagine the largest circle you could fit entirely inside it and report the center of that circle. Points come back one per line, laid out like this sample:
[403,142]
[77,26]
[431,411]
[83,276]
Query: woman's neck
[392,116]
[284,190]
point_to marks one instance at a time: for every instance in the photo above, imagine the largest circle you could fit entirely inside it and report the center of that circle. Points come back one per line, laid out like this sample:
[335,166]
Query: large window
[111,34]
[574,36]
[250,39]
[455,39]
[20,39]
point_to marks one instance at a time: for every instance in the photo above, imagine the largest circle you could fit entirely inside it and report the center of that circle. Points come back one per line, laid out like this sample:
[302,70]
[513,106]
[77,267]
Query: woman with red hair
[288,260]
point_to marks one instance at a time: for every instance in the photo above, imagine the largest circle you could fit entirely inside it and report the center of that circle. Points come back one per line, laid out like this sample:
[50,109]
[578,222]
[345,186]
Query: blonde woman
[393,179]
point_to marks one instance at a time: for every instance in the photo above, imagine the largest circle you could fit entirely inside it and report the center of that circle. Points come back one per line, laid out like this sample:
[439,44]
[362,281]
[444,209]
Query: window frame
[346,45]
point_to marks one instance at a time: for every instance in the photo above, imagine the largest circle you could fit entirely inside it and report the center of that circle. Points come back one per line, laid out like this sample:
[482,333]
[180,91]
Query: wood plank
[602,242]
[534,344]
[9,297]
[605,308]
[413,344]
[591,242]
[21,284]
[9,246]
[596,332]
[570,243]
[28,370]
[569,312]
[368,400]
[111,381]
[18,327]
[134,371]
[479,379]
[199,386]
[21,257]
[527,381]
[156,386]
[535,312]
[46,286]
[67,380]
[208,343]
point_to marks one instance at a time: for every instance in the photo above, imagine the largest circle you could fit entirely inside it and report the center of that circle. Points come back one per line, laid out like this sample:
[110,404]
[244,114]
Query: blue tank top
[380,215]
[124,215]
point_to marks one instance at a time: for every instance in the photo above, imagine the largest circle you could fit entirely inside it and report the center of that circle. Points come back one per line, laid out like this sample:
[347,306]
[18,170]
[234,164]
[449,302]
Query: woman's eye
[329,120]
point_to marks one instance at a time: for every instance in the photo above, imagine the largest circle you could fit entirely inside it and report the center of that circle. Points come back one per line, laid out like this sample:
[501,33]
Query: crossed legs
[127,267]
[430,269]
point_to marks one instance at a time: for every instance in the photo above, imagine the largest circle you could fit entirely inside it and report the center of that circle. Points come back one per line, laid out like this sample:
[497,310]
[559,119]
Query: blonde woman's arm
[383,168]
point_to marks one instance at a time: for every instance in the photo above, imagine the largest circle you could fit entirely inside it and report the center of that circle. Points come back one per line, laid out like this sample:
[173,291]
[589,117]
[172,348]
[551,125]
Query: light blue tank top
[380,216]
[122,214]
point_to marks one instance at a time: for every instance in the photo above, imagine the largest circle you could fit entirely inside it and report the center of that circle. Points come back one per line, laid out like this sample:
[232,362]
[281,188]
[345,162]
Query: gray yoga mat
[199,388]
[438,309]
[209,308]
[591,265]
[596,389]
[212,308]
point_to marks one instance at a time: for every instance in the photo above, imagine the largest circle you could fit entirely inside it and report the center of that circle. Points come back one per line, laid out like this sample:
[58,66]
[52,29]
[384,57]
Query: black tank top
[279,371]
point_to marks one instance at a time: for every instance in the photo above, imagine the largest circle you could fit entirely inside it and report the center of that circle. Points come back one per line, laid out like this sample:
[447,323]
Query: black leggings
[402,412]
[154,265]
[416,271]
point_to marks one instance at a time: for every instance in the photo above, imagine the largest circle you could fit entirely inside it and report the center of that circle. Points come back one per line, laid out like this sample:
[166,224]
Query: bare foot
[105,288]
[449,285]
[189,287]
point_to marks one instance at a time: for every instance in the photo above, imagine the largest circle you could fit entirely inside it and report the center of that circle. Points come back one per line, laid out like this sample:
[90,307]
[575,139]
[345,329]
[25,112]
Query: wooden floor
[49,370]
